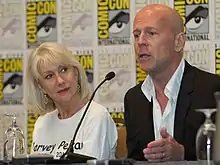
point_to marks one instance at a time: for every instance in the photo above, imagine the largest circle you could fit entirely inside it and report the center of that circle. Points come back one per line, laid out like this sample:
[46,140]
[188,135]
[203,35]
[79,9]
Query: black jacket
[196,91]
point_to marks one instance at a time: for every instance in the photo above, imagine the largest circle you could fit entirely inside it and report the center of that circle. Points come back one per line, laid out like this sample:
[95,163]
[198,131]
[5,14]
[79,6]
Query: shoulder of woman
[97,108]
[46,117]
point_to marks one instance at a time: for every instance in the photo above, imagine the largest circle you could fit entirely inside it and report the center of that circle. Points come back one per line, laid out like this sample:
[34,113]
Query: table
[171,163]
[146,163]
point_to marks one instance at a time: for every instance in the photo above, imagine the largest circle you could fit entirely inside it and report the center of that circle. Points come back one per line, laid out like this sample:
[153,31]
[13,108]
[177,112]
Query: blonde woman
[56,85]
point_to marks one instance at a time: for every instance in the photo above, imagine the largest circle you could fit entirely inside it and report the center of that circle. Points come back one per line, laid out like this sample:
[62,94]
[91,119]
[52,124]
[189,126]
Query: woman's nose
[60,80]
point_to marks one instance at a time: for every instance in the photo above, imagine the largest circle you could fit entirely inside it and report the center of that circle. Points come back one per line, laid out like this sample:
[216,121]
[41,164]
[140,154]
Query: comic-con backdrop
[99,33]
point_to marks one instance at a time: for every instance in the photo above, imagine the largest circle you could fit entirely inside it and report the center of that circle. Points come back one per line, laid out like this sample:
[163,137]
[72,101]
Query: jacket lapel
[150,120]
[146,118]
[183,102]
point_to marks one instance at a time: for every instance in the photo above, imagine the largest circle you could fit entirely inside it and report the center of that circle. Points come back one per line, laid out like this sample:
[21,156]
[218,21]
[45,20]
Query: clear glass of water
[205,138]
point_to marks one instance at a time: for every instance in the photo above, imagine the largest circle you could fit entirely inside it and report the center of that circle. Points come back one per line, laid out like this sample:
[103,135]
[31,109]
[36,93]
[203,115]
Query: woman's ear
[179,42]
[37,83]
[40,88]
[76,72]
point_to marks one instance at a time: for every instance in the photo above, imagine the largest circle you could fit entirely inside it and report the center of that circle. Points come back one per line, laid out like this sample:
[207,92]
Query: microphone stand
[69,154]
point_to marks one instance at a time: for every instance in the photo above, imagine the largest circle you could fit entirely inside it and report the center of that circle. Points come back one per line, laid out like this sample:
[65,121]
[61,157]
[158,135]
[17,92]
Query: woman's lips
[63,90]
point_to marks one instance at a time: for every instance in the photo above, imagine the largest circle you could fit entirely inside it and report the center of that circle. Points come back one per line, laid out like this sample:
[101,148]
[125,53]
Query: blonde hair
[46,53]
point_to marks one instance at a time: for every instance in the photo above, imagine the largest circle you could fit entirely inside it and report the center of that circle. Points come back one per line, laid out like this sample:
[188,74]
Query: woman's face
[59,82]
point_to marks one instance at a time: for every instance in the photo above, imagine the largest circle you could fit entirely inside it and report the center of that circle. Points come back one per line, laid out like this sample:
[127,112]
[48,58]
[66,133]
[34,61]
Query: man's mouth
[143,56]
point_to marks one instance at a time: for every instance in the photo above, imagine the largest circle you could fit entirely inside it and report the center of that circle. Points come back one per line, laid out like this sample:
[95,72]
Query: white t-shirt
[97,136]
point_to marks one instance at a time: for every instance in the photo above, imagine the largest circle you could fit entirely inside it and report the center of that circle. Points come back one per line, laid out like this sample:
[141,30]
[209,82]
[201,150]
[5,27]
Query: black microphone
[69,154]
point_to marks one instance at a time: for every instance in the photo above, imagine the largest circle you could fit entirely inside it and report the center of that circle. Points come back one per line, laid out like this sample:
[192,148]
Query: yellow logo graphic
[217,61]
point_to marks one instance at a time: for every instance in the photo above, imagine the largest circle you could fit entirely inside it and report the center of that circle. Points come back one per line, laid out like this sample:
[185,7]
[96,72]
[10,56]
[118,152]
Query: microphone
[69,154]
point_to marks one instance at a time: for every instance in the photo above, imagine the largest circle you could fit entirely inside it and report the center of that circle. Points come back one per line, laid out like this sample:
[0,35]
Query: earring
[45,99]
[78,87]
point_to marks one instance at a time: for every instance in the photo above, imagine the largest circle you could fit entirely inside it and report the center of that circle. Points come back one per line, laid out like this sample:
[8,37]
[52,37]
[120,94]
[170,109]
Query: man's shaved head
[167,14]
[159,38]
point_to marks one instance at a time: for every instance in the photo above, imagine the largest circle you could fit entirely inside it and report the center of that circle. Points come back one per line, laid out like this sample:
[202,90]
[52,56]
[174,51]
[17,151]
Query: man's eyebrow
[146,28]
[136,30]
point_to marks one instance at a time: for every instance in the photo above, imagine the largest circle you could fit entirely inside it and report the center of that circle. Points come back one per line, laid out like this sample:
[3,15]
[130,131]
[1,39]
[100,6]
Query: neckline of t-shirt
[76,115]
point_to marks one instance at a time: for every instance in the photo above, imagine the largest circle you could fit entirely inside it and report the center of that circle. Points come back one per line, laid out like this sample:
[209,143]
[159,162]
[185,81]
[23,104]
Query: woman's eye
[64,69]
[49,76]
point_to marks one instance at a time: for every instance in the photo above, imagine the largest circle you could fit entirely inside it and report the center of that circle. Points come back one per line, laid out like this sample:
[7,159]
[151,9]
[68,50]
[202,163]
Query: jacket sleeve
[133,146]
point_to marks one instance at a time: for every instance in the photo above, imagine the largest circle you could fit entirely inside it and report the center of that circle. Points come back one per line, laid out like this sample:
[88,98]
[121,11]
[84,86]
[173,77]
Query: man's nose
[142,39]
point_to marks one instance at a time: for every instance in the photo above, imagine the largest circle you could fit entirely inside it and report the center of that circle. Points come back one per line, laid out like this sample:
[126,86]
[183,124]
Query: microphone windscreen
[110,76]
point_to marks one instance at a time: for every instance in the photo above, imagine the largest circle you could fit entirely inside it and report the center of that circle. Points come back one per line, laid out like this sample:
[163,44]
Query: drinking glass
[205,138]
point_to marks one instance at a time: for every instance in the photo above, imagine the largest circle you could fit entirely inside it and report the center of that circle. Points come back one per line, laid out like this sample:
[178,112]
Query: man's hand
[164,149]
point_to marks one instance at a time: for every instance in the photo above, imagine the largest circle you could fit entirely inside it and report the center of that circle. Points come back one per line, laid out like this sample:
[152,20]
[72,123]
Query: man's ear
[179,42]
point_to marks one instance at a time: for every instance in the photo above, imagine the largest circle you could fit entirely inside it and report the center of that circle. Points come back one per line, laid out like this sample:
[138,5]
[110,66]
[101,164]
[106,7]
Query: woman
[57,84]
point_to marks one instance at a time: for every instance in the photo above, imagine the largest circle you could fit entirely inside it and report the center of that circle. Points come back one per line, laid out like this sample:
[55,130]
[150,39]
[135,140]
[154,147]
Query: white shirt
[171,91]
[97,136]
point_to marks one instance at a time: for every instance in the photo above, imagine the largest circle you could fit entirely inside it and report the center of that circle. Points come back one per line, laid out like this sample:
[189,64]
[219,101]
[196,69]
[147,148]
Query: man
[160,116]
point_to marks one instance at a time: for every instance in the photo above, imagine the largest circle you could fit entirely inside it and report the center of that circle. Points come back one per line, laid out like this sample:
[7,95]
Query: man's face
[153,40]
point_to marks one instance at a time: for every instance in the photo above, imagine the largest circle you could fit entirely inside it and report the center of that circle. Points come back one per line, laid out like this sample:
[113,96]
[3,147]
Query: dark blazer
[196,91]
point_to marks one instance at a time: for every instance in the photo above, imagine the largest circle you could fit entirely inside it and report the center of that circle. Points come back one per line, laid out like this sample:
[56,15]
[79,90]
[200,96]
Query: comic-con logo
[87,62]
[217,61]
[118,118]
[41,22]
[140,74]
[11,78]
[195,15]
[113,22]
[31,119]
